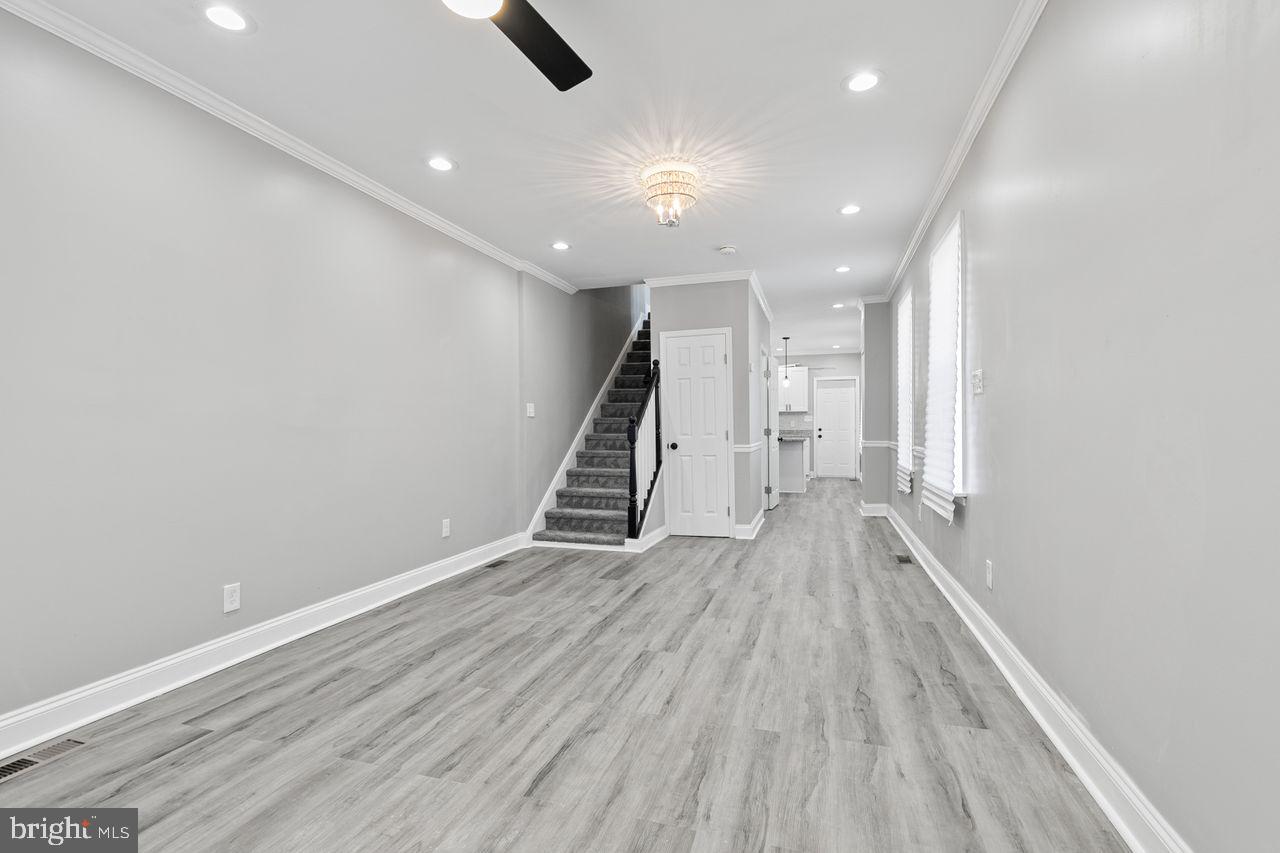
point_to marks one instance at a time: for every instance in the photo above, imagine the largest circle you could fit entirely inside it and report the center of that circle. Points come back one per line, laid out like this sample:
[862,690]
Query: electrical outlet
[231,598]
[444,529]
[990,575]
[978,384]
[529,410]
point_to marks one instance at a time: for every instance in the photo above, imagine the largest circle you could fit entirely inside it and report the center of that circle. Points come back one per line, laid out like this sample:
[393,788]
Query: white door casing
[696,420]
[771,448]
[835,427]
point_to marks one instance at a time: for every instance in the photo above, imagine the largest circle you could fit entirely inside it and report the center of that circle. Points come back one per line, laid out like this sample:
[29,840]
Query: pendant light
[786,361]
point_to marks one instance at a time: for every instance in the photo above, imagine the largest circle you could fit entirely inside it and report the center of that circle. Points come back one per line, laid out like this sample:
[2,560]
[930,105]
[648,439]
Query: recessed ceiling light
[475,8]
[561,246]
[835,346]
[842,269]
[862,81]
[441,164]
[227,18]
[838,305]
[850,209]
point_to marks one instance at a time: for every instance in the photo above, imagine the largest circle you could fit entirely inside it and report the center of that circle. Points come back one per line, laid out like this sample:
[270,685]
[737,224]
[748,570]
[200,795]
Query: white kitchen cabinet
[796,397]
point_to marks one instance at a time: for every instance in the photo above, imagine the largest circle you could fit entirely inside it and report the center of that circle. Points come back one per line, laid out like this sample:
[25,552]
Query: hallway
[803,691]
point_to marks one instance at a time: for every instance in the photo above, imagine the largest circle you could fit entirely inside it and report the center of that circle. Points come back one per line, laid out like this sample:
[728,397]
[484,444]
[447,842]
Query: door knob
[674,446]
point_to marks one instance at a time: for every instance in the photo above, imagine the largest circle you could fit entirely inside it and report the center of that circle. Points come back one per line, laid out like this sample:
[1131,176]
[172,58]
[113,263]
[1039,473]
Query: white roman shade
[944,409]
[906,395]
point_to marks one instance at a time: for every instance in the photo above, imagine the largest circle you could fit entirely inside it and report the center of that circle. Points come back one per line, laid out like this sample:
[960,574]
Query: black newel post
[633,509]
[657,418]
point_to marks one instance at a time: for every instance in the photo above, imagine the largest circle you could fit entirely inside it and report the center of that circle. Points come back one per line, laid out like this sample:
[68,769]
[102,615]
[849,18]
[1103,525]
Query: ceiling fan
[534,37]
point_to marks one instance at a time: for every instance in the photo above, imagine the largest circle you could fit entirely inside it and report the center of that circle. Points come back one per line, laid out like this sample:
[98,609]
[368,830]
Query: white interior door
[695,385]
[835,428]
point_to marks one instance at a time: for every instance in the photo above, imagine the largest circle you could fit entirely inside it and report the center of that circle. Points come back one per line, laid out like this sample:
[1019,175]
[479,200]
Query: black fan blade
[552,55]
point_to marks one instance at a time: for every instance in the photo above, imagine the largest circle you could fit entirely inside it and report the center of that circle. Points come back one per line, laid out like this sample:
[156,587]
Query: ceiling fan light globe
[475,8]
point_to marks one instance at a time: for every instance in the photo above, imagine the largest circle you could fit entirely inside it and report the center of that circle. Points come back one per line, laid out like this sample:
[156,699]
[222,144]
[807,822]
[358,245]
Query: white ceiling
[750,90]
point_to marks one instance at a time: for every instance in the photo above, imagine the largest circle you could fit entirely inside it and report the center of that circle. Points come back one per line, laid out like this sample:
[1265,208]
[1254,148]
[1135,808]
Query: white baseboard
[874,510]
[539,520]
[647,541]
[25,727]
[749,531]
[1135,818]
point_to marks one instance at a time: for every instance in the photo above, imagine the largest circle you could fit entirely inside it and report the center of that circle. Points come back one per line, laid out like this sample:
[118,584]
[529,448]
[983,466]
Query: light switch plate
[990,575]
[529,410]
[445,529]
[978,385]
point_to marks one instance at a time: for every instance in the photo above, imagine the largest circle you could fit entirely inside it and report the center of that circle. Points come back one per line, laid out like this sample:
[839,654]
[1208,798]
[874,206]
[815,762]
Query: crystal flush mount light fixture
[670,188]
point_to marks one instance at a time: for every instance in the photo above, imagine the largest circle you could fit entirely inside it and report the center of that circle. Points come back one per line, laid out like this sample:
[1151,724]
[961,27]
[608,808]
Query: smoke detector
[728,250]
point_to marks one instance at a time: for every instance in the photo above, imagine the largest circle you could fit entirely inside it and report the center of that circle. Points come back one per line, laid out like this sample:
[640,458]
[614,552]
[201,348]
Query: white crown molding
[25,727]
[758,290]
[874,299]
[714,278]
[1138,821]
[1015,39]
[100,44]
[699,278]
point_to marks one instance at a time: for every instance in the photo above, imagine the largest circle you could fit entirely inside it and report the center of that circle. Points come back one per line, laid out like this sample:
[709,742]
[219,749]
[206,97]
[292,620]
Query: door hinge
[728,510]
[768,490]
[726,435]
[768,374]
[768,431]
[726,358]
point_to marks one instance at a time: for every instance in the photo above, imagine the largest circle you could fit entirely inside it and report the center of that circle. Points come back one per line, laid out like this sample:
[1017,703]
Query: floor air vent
[497,563]
[18,765]
[55,750]
[904,559]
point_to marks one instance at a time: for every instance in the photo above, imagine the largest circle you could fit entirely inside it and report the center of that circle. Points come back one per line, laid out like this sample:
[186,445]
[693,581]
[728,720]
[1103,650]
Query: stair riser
[635,369]
[586,459]
[574,536]
[578,502]
[588,525]
[640,357]
[630,383]
[604,427]
[643,335]
[627,395]
[619,410]
[606,442]
[599,481]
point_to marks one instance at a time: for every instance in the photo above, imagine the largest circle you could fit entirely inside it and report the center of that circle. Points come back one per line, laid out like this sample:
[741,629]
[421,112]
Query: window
[944,403]
[906,396]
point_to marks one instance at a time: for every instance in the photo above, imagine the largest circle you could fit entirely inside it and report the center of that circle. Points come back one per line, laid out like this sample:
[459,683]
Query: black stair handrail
[635,518]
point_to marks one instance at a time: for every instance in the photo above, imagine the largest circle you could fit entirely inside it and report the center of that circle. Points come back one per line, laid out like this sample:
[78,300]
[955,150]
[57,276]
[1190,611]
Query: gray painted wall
[1122,221]
[877,420]
[568,344]
[218,364]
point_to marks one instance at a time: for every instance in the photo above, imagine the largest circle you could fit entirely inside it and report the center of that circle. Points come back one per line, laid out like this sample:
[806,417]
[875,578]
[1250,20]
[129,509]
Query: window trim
[959,486]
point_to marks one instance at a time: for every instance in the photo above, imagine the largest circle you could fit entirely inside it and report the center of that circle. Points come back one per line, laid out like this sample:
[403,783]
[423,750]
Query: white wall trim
[828,352]
[25,727]
[1015,39]
[561,478]
[1135,818]
[749,531]
[874,510]
[646,540]
[100,44]
[878,445]
[748,448]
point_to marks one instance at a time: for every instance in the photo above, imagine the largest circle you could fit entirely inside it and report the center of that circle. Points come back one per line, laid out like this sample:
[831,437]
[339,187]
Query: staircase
[592,509]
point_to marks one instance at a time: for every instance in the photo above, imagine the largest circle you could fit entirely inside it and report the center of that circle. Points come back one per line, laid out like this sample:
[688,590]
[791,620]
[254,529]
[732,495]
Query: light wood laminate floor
[800,692]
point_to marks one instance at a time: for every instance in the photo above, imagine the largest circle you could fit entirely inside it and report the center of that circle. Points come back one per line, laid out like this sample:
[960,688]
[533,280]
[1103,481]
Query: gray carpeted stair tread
[593,514]
[589,492]
[578,537]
